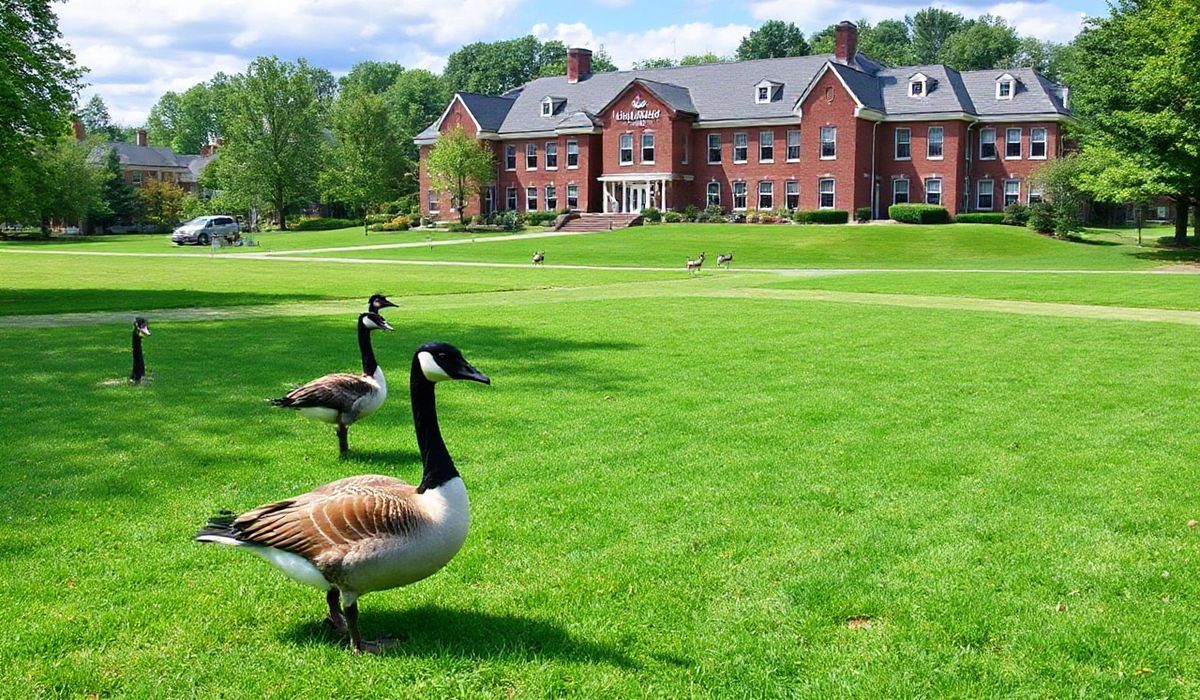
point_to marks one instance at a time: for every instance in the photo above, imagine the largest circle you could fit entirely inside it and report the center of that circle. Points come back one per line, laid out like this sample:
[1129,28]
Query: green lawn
[671,495]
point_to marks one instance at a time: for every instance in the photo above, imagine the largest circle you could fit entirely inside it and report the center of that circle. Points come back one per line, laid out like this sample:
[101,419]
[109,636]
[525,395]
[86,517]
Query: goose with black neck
[141,329]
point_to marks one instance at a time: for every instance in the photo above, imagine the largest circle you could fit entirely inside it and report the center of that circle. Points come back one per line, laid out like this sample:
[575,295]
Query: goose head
[442,361]
[373,322]
[141,327]
[377,302]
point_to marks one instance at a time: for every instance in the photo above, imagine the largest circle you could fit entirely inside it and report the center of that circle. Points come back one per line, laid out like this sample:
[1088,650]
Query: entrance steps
[599,222]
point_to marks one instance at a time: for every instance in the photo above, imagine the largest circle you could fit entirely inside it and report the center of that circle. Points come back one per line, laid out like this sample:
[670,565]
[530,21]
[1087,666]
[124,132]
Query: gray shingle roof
[133,154]
[488,110]
[1034,95]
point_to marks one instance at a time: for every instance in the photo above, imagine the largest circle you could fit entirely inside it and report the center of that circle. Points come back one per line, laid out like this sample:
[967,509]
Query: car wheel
[203,239]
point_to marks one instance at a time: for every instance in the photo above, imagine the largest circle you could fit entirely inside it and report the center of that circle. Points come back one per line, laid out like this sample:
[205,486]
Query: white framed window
[714,148]
[763,94]
[647,147]
[934,147]
[136,178]
[551,198]
[791,194]
[825,189]
[433,201]
[739,195]
[572,154]
[713,195]
[766,195]
[1037,143]
[916,88]
[1012,192]
[531,198]
[489,199]
[626,149]
[531,156]
[987,144]
[741,147]
[551,155]
[828,142]
[793,145]
[572,196]
[1012,144]
[547,107]
[933,190]
[983,199]
[904,144]
[510,156]
[1037,192]
[766,147]
[510,199]
[1004,89]
[900,191]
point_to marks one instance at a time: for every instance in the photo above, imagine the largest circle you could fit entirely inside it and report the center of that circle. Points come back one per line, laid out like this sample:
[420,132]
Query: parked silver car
[205,229]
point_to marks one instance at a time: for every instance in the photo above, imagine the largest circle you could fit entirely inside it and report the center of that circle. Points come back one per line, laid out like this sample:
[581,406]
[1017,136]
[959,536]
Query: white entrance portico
[633,192]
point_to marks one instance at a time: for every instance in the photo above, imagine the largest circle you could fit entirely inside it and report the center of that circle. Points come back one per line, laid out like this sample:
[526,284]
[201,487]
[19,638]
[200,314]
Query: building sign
[638,115]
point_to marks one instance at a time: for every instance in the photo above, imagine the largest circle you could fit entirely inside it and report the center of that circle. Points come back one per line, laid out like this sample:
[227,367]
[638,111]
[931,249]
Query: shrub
[379,218]
[733,217]
[752,216]
[862,214]
[1016,214]
[399,223]
[510,221]
[919,214]
[540,218]
[651,215]
[691,213]
[672,217]
[324,224]
[457,227]
[980,217]
[1041,217]
[821,216]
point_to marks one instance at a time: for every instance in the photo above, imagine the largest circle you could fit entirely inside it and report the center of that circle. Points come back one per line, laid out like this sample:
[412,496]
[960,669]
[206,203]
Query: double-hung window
[714,148]
[551,198]
[766,195]
[647,147]
[766,147]
[713,198]
[1012,143]
[572,154]
[136,179]
[551,156]
[433,201]
[531,198]
[933,190]
[739,195]
[1036,192]
[1012,192]
[900,191]
[741,147]
[937,136]
[572,197]
[1037,143]
[828,142]
[510,199]
[791,194]
[531,156]
[793,145]
[825,188]
[626,149]
[987,144]
[904,144]
[984,200]
[510,156]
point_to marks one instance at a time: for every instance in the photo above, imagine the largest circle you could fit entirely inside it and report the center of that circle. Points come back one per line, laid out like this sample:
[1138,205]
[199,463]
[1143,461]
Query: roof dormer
[919,85]
[1006,86]
[767,91]
[551,105]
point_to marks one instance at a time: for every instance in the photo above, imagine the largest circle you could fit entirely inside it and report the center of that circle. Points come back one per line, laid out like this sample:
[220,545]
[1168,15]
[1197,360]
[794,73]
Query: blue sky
[137,49]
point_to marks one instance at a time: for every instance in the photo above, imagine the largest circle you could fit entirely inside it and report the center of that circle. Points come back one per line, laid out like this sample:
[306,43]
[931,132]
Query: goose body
[141,329]
[539,257]
[371,533]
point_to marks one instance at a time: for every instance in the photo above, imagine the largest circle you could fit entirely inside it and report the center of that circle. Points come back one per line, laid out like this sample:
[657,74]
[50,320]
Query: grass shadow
[22,302]
[383,457]
[432,631]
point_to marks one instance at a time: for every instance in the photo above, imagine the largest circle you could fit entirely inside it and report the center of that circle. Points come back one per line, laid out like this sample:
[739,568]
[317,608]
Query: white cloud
[674,41]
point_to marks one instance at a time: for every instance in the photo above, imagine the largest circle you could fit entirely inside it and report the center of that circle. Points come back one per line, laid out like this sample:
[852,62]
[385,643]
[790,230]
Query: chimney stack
[141,137]
[846,43]
[579,65]
[77,126]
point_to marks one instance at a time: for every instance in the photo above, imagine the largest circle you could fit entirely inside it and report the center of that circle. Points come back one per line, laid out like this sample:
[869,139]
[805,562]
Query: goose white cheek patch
[433,371]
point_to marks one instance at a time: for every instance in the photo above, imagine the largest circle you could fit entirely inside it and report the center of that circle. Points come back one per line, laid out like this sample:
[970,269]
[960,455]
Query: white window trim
[569,166]
[546,197]
[535,198]
[745,194]
[758,97]
[995,146]
[546,150]
[1020,138]
[760,194]
[907,190]
[1004,194]
[620,161]
[735,147]
[642,147]
[896,144]
[1041,193]
[576,204]
[787,146]
[1045,143]
[786,193]
[940,193]
[1012,87]
[821,143]
[547,107]
[515,199]
[708,194]
[929,143]
[991,193]
[708,149]
[433,202]
[527,168]
[760,146]
[832,193]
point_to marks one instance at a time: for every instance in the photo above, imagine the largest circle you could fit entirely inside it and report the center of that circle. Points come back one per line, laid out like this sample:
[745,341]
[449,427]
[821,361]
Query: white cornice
[759,121]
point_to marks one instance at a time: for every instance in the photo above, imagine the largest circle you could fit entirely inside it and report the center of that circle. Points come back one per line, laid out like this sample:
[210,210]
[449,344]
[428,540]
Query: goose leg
[343,439]
[357,643]
[335,619]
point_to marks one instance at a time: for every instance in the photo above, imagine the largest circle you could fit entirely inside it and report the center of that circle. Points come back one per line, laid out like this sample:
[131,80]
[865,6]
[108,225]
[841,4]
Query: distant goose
[723,259]
[539,257]
[377,303]
[368,533]
[140,330]
[695,265]
[344,398]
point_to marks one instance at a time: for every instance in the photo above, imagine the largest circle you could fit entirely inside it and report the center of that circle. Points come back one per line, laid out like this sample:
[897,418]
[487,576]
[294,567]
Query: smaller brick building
[142,163]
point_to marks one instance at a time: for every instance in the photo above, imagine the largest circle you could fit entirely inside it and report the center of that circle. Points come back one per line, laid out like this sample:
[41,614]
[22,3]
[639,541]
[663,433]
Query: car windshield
[198,221]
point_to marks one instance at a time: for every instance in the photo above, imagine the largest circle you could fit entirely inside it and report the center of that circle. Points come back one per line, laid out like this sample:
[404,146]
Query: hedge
[324,224]
[980,217]
[919,214]
[822,216]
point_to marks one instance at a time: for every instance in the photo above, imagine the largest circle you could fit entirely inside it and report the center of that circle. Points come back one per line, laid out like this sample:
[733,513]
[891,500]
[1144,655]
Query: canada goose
[539,257]
[694,265]
[140,329]
[368,533]
[344,398]
[723,259]
[377,303]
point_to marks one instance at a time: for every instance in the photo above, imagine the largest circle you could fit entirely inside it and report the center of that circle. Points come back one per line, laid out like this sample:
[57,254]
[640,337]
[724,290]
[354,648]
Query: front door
[637,198]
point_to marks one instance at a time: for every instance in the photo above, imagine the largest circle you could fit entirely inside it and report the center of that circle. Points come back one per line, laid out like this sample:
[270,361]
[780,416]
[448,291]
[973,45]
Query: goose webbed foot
[377,647]
[335,620]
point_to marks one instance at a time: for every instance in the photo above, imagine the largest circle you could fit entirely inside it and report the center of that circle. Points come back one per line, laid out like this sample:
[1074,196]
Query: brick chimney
[77,127]
[141,137]
[579,65]
[846,43]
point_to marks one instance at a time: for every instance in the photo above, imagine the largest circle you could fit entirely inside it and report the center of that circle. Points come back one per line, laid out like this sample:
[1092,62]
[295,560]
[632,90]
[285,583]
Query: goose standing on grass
[344,398]
[368,533]
[539,257]
[724,259]
[140,330]
[377,303]
[694,266]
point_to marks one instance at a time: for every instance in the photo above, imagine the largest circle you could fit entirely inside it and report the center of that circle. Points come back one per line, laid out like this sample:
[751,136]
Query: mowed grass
[671,497]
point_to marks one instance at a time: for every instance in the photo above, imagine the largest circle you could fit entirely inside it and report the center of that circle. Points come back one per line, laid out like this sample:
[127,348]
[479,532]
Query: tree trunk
[1196,220]
[279,215]
[1181,221]
[45,227]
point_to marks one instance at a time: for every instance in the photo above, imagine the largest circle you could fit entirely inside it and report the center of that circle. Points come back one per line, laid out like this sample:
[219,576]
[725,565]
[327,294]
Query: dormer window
[767,91]
[551,105]
[918,85]
[764,94]
[918,89]
[1006,87]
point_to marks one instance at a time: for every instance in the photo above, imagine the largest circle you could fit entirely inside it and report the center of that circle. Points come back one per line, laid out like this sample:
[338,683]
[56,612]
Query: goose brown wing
[326,523]
[338,391]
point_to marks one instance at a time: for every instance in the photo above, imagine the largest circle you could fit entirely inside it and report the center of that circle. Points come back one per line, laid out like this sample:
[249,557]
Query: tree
[774,39]
[96,120]
[62,185]
[649,63]
[930,29]
[367,163]
[461,166]
[116,195]
[702,59]
[272,134]
[160,202]
[414,101]
[1046,57]
[374,77]
[987,42]
[1136,89]
[601,63]
[1060,211]
[499,66]
[887,42]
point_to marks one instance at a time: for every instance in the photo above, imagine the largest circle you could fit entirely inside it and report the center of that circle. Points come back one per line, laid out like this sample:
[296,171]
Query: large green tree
[273,135]
[187,121]
[601,61]
[987,42]
[462,166]
[370,76]
[774,39]
[62,186]
[887,42]
[1136,89]
[116,195]
[365,163]
[96,120]
[414,101]
[930,29]
[491,68]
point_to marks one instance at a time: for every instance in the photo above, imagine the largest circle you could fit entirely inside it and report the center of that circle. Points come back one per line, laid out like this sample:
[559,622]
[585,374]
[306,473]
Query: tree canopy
[492,68]
[460,165]
[365,163]
[774,39]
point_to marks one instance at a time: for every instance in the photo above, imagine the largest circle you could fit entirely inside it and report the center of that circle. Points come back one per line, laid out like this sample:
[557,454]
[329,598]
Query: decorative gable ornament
[638,115]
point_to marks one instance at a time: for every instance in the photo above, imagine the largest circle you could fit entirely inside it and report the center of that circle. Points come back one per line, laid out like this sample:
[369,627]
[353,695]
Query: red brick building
[142,163]
[834,131]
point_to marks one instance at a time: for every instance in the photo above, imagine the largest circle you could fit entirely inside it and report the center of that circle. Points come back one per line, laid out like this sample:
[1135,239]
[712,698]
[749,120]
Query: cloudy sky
[137,49]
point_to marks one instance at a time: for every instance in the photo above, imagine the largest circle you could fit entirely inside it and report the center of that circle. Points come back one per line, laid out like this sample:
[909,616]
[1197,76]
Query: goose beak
[143,331]
[385,303]
[476,376]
